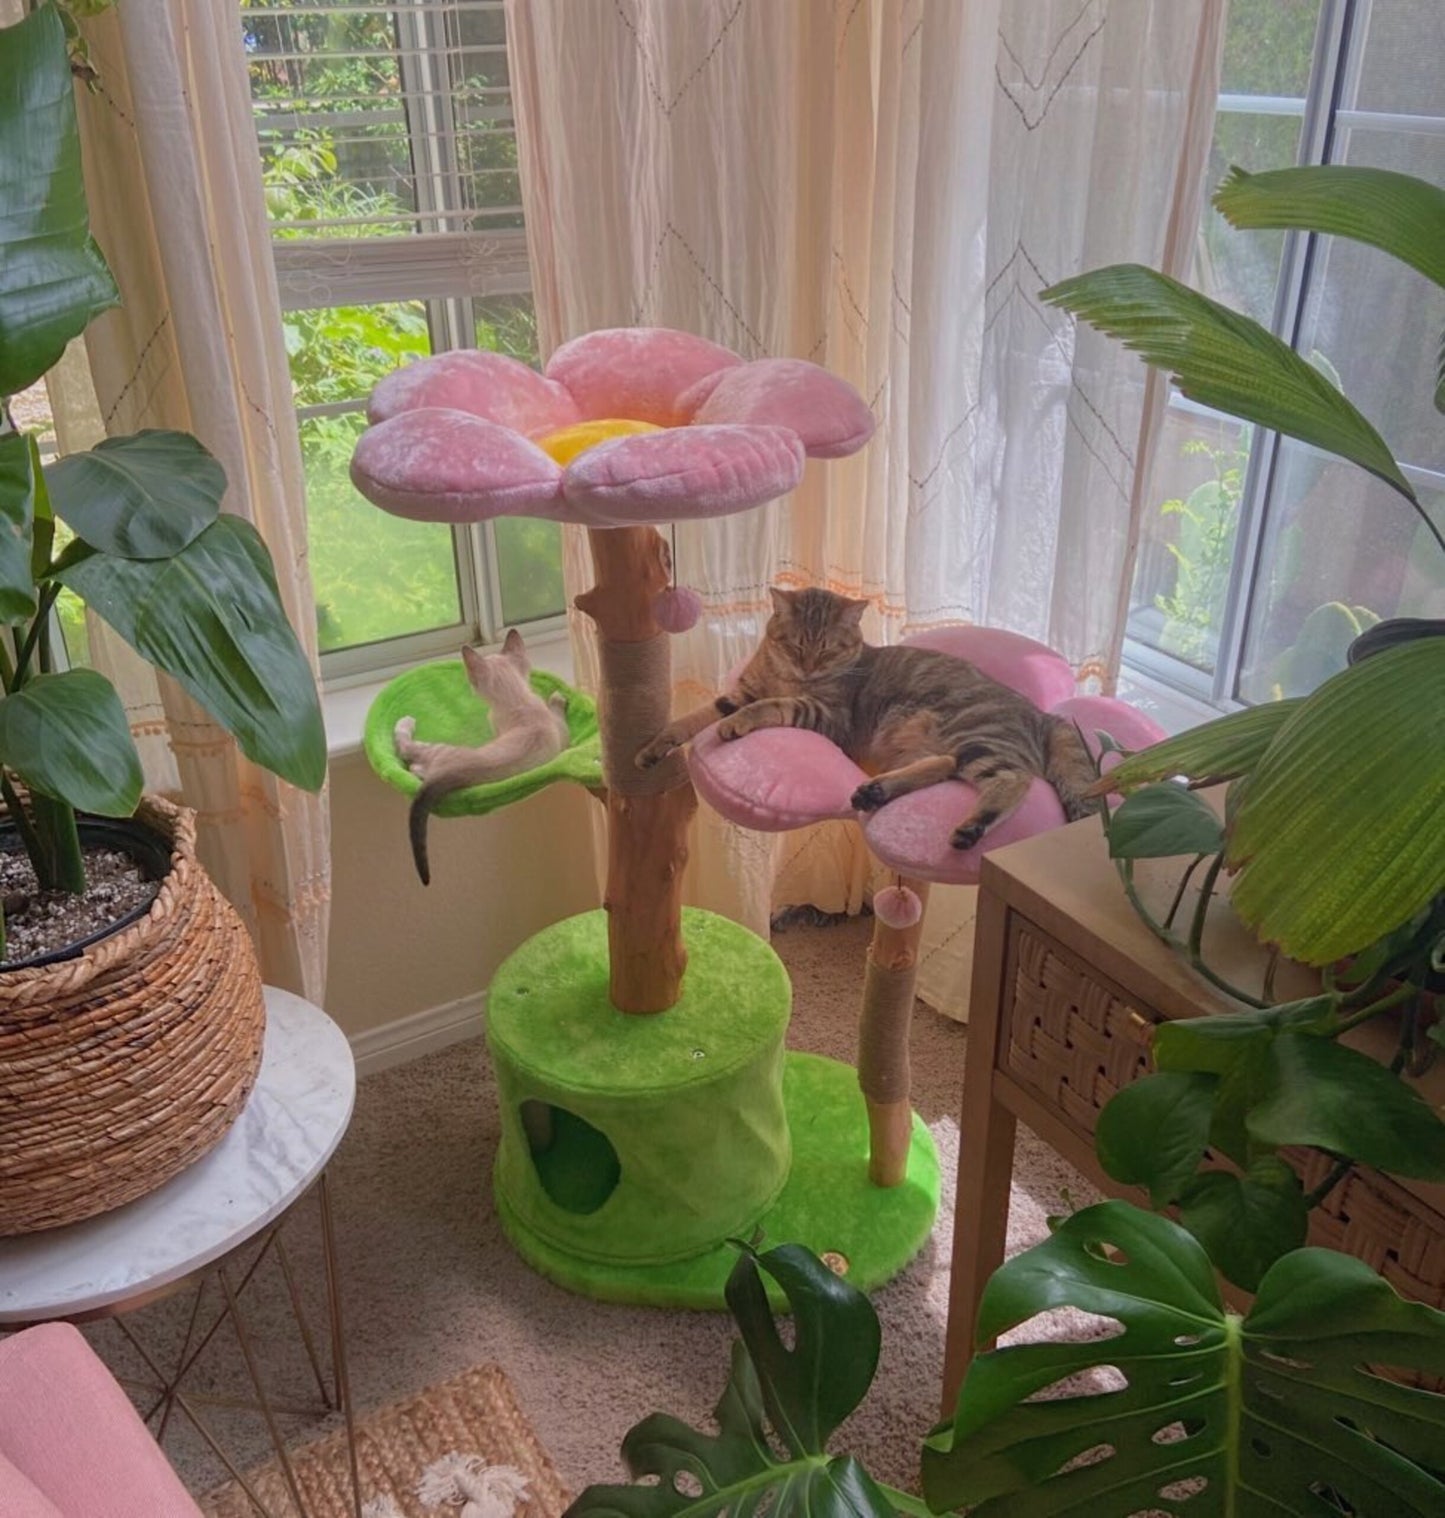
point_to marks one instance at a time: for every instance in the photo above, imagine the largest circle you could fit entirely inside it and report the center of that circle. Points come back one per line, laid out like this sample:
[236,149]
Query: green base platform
[634,1148]
[827,1203]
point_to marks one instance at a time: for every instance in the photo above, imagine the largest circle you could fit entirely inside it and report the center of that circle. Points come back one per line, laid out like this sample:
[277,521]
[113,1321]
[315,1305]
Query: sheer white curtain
[883,187]
[173,180]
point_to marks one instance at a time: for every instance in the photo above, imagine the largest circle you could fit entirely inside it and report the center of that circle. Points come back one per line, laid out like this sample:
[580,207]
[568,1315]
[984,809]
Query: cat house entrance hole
[575,1162]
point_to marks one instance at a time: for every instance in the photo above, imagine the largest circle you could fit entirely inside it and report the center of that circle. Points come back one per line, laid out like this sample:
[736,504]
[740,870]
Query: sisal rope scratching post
[648,811]
[883,1033]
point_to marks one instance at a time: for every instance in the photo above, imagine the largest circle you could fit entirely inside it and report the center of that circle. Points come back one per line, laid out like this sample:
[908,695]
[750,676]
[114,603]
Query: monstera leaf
[1284,1411]
[801,1395]
[53,279]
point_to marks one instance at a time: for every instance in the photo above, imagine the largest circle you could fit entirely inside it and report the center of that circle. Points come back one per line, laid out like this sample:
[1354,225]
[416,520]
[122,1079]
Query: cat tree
[649,1111]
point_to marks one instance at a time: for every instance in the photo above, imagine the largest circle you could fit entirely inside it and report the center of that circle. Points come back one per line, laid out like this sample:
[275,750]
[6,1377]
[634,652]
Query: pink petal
[1126,725]
[687,472]
[826,412]
[911,835]
[450,466]
[636,372]
[774,779]
[488,385]
[1008,657]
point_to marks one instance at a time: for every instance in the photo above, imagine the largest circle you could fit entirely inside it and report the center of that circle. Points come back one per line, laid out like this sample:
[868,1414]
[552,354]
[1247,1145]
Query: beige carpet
[431,1287]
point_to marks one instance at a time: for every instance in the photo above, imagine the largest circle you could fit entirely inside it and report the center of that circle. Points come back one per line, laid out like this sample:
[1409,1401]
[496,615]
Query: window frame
[1325,119]
[445,266]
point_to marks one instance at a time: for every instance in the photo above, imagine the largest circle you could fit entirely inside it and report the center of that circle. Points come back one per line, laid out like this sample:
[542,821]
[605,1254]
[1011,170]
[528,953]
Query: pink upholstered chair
[778,778]
[71,1444]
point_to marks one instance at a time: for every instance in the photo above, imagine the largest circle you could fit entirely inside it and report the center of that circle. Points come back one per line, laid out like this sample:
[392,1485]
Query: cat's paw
[734,727]
[402,735]
[656,751]
[868,797]
[968,835]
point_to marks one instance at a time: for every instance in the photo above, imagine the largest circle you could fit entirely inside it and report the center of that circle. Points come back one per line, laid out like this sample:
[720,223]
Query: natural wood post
[648,811]
[883,1034]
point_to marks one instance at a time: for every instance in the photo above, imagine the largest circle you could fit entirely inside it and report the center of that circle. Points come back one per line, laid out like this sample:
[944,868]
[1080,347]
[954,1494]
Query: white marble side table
[186,1233]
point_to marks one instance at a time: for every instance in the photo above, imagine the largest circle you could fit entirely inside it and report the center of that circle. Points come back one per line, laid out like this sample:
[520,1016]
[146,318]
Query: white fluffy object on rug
[468,1482]
[460,1481]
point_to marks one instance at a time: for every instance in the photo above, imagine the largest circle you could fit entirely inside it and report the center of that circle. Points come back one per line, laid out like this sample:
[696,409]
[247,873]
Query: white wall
[398,947]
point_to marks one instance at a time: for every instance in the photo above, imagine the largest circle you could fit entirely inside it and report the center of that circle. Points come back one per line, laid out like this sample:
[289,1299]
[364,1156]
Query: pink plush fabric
[20,1497]
[1030,668]
[637,372]
[71,1432]
[489,385]
[829,416]
[775,779]
[911,835]
[1126,725]
[737,433]
[683,473]
[436,465]
[782,778]
[677,608]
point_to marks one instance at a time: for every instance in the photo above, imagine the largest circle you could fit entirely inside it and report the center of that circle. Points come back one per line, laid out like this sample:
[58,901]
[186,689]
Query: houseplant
[1334,822]
[1196,1429]
[134,528]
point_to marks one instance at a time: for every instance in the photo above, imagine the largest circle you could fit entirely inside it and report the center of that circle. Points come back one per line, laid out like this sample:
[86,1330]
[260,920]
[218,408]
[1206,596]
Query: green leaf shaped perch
[448,710]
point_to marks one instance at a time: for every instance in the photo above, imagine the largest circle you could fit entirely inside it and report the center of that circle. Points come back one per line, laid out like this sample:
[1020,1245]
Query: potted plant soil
[131,1013]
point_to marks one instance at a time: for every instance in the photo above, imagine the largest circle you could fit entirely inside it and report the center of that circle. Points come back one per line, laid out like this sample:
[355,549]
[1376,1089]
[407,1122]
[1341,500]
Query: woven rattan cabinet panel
[1069,1035]
[1067,988]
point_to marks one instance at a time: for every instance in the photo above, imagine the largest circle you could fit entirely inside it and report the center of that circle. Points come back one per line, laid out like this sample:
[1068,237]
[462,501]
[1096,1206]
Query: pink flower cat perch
[634,1147]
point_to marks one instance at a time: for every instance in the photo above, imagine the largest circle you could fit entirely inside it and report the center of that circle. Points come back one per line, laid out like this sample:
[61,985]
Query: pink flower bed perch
[777,779]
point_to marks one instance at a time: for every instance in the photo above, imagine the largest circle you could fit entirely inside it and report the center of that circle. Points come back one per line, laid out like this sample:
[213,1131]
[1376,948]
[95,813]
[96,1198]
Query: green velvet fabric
[828,1203]
[448,710]
[669,1133]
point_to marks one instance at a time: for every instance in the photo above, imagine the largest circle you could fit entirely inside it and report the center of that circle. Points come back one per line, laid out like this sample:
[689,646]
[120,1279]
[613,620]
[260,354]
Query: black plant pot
[151,852]
[1383,635]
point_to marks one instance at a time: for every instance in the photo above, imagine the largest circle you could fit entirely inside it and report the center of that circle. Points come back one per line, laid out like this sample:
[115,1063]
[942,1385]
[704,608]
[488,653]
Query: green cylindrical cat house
[649,1114]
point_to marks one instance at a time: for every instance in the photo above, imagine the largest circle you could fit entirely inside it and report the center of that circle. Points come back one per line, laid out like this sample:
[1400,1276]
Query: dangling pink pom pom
[897,906]
[677,608]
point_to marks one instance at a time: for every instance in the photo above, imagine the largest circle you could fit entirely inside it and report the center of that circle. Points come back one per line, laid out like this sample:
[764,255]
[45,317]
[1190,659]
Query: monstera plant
[133,526]
[1186,1408]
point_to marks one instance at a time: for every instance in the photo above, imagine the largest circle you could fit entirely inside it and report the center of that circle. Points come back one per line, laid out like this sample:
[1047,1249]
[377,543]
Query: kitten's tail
[421,809]
[1069,768]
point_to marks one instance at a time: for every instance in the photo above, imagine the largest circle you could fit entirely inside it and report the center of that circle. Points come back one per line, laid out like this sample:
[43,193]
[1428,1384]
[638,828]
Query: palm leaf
[1397,213]
[1341,833]
[1218,750]
[1224,360]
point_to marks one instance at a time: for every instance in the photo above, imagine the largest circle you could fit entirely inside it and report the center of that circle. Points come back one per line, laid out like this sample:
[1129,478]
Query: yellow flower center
[565,444]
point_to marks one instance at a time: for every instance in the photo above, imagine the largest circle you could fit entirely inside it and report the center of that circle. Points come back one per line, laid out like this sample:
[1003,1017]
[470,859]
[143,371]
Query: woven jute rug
[422,1458]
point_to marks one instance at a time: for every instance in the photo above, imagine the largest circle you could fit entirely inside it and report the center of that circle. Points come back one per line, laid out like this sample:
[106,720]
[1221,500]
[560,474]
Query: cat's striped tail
[1069,768]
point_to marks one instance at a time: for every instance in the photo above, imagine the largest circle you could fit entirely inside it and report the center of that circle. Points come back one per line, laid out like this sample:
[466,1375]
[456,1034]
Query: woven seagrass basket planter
[121,1066]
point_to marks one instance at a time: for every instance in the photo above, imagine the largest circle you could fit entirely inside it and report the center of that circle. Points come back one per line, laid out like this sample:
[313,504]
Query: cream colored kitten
[529,731]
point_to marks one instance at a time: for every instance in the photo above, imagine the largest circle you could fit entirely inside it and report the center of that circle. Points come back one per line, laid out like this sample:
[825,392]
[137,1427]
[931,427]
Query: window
[1263,557]
[390,165]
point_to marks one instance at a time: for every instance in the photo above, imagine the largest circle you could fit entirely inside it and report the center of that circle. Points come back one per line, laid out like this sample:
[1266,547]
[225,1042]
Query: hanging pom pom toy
[897,906]
[677,608]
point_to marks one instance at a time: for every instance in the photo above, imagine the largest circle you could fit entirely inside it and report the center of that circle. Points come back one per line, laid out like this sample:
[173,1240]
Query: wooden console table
[1067,987]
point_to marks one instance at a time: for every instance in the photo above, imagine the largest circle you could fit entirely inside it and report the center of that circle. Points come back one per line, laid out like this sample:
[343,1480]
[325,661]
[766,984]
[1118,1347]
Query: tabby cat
[910,716]
[529,731]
